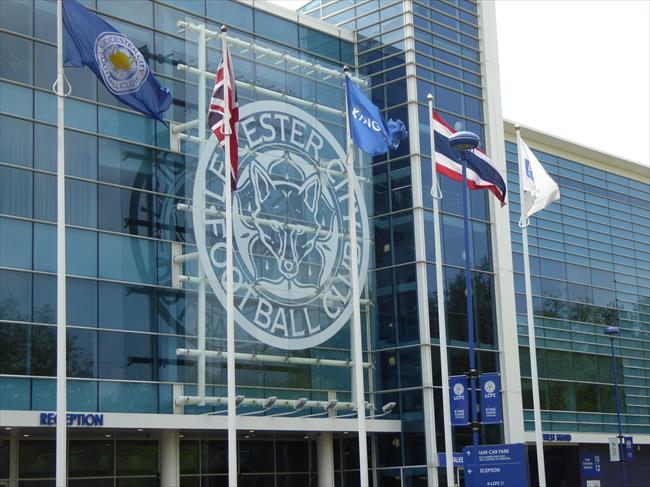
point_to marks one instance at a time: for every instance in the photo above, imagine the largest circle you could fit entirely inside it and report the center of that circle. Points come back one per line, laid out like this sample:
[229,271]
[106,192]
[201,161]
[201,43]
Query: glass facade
[445,60]
[590,268]
[126,318]
[128,312]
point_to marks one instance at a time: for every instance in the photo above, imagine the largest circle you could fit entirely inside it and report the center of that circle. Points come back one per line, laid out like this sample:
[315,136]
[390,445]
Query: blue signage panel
[458,460]
[590,465]
[490,384]
[628,448]
[459,400]
[496,466]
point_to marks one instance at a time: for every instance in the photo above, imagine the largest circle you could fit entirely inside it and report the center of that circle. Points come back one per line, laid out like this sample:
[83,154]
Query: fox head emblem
[291,244]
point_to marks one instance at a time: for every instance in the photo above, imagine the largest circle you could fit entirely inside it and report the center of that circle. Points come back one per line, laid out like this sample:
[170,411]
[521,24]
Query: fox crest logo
[290,246]
[290,225]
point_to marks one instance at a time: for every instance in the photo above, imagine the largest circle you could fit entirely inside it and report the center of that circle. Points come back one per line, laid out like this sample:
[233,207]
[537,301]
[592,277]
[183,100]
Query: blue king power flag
[91,41]
[368,129]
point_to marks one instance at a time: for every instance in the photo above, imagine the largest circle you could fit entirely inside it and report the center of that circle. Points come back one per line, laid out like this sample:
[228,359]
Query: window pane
[16,55]
[44,305]
[15,192]
[127,307]
[15,243]
[127,259]
[15,295]
[235,15]
[136,457]
[81,252]
[36,458]
[82,301]
[16,99]
[92,458]
[125,164]
[276,28]
[44,197]
[128,397]
[126,211]
[14,349]
[16,15]
[82,395]
[44,247]
[82,353]
[125,356]
[16,141]
[80,154]
[81,203]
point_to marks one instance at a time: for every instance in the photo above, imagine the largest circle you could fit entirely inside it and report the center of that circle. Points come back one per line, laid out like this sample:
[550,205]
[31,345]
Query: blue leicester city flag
[91,41]
[368,129]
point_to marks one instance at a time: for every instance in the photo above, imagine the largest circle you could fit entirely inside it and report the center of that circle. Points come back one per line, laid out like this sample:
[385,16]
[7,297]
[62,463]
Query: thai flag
[481,173]
[219,114]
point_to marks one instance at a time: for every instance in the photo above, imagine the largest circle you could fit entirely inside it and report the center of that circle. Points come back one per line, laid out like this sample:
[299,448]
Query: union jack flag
[225,80]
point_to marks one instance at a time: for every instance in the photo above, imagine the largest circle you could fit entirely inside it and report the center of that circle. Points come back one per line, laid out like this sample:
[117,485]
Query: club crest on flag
[292,286]
[121,64]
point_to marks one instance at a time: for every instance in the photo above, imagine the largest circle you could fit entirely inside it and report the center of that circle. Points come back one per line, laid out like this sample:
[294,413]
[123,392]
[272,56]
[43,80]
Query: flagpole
[230,299]
[200,208]
[61,372]
[523,223]
[357,345]
[442,324]
[467,141]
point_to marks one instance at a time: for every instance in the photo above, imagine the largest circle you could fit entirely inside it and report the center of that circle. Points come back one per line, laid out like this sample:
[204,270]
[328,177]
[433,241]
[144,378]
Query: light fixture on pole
[613,332]
[298,406]
[239,399]
[463,142]
[268,404]
[329,407]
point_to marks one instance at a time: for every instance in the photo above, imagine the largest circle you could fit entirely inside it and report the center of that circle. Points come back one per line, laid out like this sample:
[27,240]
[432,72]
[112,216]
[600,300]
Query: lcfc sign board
[459,393]
[490,398]
[291,248]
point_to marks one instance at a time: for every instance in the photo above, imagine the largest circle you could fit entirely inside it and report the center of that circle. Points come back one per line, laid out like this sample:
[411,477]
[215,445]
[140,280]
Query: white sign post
[614,450]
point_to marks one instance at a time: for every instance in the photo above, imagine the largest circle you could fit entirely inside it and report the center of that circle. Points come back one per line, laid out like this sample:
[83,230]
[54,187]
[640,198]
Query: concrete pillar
[325,454]
[13,458]
[169,459]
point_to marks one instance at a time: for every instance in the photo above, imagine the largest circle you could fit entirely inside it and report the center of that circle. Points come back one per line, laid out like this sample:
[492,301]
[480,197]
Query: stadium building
[145,288]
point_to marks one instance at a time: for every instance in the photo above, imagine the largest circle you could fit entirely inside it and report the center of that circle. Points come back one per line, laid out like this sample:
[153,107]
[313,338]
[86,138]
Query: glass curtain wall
[590,268]
[126,318]
[447,65]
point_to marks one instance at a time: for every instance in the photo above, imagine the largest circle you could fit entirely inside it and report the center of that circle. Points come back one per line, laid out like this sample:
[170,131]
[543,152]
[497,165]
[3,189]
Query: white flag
[539,190]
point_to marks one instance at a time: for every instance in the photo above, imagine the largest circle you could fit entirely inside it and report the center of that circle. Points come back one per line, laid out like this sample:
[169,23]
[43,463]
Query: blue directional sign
[458,460]
[490,398]
[628,448]
[496,466]
[590,465]
[459,393]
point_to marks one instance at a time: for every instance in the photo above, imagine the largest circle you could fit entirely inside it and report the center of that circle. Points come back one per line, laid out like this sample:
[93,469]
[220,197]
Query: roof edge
[579,152]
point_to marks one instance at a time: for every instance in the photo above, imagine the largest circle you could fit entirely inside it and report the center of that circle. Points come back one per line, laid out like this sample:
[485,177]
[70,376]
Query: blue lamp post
[612,332]
[463,142]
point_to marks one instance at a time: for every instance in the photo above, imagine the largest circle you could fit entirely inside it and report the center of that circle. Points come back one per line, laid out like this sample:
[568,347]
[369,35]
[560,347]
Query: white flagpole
[230,299]
[200,207]
[539,440]
[61,390]
[357,350]
[442,325]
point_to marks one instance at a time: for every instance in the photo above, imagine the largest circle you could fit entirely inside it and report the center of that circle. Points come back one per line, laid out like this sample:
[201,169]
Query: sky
[577,69]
